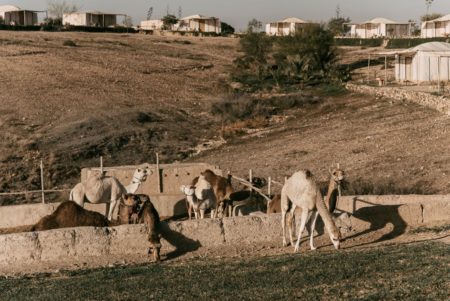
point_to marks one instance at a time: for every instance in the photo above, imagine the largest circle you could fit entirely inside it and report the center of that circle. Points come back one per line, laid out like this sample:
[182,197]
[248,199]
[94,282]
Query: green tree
[226,28]
[254,25]
[338,26]
[169,21]
[430,17]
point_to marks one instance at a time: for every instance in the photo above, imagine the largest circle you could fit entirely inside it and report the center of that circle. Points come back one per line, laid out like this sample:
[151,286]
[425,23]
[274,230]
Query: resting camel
[222,189]
[150,217]
[200,198]
[301,190]
[68,215]
[102,189]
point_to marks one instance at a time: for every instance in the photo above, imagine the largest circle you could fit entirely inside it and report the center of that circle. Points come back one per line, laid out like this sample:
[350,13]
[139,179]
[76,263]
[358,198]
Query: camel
[334,189]
[102,189]
[222,189]
[68,215]
[301,190]
[128,210]
[200,198]
[150,217]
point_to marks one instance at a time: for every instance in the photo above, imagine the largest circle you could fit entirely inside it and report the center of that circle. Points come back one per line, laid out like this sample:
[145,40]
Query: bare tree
[128,21]
[428,4]
[56,8]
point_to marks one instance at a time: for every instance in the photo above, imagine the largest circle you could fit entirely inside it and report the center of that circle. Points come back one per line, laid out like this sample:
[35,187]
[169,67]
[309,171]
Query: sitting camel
[149,216]
[68,215]
[102,189]
[222,189]
[200,198]
[301,190]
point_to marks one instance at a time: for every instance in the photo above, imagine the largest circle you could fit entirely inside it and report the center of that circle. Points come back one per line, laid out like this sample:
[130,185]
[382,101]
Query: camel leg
[202,213]
[304,219]
[112,206]
[190,212]
[283,225]
[313,227]
[291,223]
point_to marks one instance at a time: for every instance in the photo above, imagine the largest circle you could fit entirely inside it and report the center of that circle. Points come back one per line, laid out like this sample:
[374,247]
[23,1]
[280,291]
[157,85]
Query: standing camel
[334,187]
[102,189]
[301,190]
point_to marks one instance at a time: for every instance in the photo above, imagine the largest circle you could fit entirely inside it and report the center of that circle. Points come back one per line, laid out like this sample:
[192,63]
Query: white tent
[439,27]
[428,62]
[285,27]
[380,27]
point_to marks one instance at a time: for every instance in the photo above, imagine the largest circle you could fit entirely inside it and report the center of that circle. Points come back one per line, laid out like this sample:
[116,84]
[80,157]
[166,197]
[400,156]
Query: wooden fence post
[269,186]
[42,182]
[158,173]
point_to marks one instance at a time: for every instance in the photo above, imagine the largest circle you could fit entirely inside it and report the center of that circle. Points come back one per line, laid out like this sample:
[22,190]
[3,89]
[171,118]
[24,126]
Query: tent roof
[425,47]
[292,20]
[201,17]
[380,21]
[6,8]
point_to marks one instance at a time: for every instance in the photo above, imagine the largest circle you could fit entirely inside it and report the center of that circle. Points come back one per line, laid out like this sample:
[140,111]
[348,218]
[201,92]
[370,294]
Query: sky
[238,12]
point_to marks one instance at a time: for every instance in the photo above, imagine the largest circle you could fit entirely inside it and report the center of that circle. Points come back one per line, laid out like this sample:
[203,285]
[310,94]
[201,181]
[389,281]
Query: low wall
[438,103]
[367,212]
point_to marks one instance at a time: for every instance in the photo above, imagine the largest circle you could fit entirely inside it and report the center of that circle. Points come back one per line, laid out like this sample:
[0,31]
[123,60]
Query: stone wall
[439,103]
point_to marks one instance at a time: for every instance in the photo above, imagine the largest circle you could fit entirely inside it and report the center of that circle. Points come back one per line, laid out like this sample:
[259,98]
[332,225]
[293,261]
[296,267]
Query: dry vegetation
[127,96]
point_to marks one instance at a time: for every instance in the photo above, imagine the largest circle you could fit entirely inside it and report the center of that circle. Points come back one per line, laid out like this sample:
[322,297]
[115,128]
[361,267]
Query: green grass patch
[405,272]
[359,42]
[408,43]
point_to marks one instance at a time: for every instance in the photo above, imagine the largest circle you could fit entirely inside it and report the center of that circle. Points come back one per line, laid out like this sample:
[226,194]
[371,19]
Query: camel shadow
[379,216]
[182,244]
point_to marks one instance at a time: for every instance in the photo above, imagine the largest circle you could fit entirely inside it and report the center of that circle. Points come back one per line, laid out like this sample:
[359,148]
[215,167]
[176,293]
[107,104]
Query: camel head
[140,175]
[335,237]
[131,203]
[188,190]
[337,175]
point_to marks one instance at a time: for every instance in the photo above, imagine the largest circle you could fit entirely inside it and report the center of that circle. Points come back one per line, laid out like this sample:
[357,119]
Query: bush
[408,43]
[359,42]
[69,43]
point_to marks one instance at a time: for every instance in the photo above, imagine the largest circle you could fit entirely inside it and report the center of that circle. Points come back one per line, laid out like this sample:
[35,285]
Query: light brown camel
[222,189]
[334,186]
[99,188]
[68,215]
[200,198]
[301,190]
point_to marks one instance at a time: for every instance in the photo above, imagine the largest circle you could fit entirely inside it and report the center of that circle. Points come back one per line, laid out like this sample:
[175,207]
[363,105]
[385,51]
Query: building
[199,23]
[91,19]
[286,27]
[380,28]
[152,25]
[439,27]
[428,62]
[13,15]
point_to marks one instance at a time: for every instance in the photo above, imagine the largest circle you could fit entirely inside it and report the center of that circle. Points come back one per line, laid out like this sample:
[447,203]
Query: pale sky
[238,13]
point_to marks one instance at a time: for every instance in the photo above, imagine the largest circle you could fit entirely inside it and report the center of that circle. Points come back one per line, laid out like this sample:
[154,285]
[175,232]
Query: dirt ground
[353,241]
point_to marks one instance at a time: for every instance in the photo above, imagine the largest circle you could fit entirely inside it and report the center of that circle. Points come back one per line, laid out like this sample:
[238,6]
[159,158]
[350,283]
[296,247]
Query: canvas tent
[199,23]
[439,27]
[91,18]
[13,15]
[380,27]
[285,27]
[428,62]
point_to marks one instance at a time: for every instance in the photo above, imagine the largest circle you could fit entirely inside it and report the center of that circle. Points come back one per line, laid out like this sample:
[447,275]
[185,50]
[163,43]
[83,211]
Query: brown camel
[68,215]
[222,189]
[149,216]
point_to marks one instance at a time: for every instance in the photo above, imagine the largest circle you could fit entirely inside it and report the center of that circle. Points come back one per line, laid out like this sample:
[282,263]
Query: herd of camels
[207,192]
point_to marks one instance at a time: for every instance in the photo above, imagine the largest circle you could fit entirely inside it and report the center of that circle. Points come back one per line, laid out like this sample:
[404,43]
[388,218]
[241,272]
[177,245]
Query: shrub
[69,43]
[408,43]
